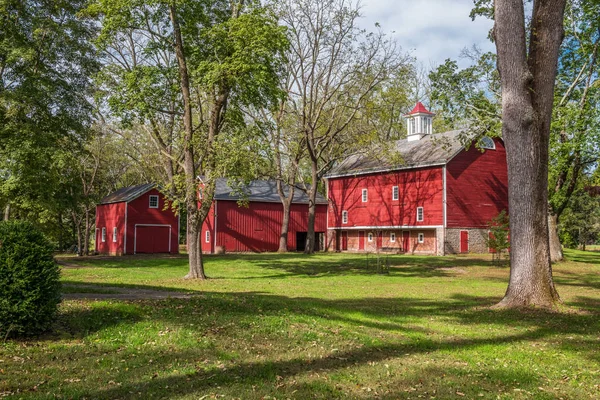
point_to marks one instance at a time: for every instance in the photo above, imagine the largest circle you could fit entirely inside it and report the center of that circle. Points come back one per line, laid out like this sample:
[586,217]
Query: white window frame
[420,214]
[115,234]
[207,236]
[421,237]
[150,198]
[487,143]
[365,195]
[370,237]
[104,235]
[392,237]
[344,217]
[395,193]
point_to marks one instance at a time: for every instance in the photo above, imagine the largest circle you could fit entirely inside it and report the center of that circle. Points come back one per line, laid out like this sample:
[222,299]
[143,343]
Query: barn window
[365,195]
[487,143]
[153,201]
[393,237]
[395,193]
[421,237]
[103,235]
[420,214]
[115,235]
[344,217]
[370,237]
[207,237]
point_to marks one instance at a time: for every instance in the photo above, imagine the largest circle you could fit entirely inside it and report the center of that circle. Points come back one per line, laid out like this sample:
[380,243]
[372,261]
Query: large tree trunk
[312,210]
[556,253]
[285,222]
[191,184]
[86,237]
[527,97]
[7,212]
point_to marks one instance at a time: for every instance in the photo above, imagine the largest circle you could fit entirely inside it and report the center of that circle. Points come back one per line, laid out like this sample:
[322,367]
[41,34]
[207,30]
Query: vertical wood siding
[421,187]
[110,216]
[139,212]
[256,228]
[476,187]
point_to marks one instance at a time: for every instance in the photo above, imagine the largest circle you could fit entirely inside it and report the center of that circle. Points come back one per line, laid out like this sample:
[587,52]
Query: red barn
[249,219]
[434,197]
[135,220]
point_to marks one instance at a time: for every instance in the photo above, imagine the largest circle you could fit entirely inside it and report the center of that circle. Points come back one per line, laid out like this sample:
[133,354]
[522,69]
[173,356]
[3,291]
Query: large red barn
[136,219]
[435,196]
[249,219]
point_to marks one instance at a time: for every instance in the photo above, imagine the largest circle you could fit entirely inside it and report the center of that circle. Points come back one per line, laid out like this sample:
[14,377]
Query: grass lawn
[326,326]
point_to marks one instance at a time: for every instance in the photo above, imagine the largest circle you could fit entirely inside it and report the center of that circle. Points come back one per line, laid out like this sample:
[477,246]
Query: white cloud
[430,30]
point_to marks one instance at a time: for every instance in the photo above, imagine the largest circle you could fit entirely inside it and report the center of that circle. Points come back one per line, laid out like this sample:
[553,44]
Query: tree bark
[191,184]
[527,98]
[7,212]
[556,253]
[312,209]
[285,221]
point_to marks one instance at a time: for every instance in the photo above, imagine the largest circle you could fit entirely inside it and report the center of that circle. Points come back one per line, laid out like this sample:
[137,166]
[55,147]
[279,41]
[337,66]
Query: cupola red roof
[419,109]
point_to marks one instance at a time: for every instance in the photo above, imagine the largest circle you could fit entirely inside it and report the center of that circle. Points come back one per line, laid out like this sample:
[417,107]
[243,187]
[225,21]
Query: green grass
[323,326]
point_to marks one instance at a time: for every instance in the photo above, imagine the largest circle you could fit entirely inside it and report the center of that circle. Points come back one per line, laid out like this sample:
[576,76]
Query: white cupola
[418,122]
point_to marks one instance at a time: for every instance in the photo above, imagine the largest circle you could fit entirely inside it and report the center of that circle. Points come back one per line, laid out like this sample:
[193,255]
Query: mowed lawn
[271,326]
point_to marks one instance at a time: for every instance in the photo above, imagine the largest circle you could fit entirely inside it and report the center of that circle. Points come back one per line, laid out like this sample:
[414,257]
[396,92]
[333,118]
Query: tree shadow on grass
[225,321]
[587,257]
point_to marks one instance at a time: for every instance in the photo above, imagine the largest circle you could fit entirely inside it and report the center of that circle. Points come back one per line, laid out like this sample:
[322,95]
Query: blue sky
[431,30]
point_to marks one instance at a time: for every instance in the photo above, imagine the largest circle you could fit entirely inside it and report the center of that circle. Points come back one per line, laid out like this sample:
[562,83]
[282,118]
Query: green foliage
[29,280]
[580,225]
[498,239]
[468,98]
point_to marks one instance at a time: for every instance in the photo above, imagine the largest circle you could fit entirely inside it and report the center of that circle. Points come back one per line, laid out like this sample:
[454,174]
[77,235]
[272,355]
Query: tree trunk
[77,224]
[285,223]
[312,209]
[191,184]
[7,212]
[556,253]
[86,237]
[527,97]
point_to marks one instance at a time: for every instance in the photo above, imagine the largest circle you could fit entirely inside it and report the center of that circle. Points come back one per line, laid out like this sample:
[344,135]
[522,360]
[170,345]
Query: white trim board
[387,227]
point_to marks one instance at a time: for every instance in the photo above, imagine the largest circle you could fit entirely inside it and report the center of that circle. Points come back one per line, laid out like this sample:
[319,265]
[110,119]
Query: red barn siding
[417,188]
[110,216]
[256,228]
[208,225]
[139,213]
[476,187]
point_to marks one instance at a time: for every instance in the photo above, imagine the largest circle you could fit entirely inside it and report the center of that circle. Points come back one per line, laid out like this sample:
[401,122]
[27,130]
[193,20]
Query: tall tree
[576,121]
[335,68]
[199,61]
[527,74]
[46,60]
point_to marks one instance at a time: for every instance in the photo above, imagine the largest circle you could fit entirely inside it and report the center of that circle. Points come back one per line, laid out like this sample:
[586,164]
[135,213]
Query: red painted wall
[257,227]
[209,225]
[417,188]
[476,187]
[110,216]
[140,213]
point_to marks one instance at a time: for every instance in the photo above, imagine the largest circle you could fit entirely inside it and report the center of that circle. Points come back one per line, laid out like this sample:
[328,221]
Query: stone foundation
[477,240]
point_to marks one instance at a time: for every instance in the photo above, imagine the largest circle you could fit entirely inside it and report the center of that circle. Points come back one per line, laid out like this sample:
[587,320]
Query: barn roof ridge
[127,194]
[435,149]
[261,190]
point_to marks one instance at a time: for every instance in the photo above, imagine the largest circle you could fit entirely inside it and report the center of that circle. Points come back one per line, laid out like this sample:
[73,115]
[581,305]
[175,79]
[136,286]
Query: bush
[29,280]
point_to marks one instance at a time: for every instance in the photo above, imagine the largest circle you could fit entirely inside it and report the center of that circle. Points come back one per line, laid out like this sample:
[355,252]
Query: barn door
[344,240]
[464,241]
[406,241]
[361,240]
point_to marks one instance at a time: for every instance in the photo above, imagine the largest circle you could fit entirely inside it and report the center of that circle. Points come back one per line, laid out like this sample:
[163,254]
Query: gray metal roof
[435,149]
[260,190]
[127,193]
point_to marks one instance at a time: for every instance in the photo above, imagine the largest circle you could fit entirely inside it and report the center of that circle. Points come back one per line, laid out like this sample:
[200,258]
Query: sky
[430,30]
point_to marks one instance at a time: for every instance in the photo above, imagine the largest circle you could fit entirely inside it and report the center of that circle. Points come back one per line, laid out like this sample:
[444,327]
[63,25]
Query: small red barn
[256,225]
[135,220]
[435,197]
